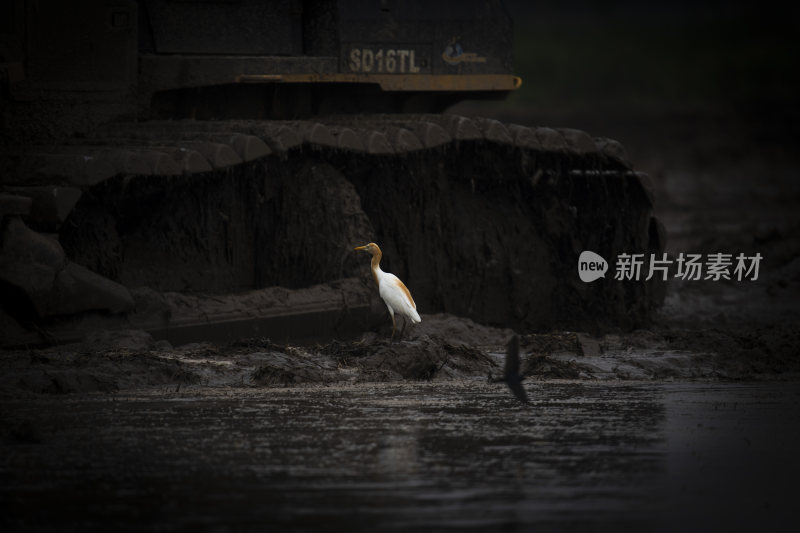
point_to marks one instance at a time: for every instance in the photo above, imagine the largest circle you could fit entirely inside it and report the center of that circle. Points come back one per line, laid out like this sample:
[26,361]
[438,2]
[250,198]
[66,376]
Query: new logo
[591,266]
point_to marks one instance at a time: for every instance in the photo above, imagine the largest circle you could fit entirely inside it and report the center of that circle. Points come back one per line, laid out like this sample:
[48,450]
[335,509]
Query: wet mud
[443,348]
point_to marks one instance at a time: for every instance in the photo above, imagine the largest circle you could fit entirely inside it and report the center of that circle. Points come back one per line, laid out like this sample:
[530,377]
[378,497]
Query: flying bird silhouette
[511,375]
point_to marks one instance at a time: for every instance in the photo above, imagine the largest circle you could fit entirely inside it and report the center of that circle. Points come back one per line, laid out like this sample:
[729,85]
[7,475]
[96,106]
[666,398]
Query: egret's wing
[512,358]
[519,391]
[396,295]
[405,291]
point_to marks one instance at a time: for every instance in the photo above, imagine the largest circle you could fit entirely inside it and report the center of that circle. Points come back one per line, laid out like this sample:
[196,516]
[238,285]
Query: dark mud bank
[443,348]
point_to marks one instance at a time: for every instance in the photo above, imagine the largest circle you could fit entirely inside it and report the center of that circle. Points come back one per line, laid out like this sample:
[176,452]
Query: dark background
[703,95]
[656,56]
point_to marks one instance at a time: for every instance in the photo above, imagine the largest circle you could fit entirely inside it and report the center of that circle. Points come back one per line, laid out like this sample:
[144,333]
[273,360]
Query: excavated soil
[442,348]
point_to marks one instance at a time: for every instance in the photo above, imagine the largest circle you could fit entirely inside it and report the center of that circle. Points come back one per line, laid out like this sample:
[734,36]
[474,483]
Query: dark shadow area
[703,97]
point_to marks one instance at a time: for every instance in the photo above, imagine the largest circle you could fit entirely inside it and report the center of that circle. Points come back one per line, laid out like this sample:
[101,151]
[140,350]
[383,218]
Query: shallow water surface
[412,456]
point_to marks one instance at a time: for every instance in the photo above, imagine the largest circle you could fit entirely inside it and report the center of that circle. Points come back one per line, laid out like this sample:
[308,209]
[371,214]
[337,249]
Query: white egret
[393,291]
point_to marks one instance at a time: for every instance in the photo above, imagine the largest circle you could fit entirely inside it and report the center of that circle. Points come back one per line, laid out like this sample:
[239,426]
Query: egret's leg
[394,326]
[403,329]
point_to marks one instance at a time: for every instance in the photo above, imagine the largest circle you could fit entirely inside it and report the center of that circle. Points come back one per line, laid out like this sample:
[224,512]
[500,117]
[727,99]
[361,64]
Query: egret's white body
[393,291]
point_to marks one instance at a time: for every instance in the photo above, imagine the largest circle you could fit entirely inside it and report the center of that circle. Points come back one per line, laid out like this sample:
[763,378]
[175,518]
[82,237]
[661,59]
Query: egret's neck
[376,265]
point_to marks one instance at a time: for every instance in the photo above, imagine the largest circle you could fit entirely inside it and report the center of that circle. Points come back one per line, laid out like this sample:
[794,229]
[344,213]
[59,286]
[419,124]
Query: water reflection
[379,457]
[398,452]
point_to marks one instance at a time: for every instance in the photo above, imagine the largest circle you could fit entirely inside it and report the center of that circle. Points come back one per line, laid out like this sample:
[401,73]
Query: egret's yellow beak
[360,248]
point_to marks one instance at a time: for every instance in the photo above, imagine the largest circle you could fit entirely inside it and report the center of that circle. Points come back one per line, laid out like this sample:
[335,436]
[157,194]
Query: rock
[37,266]
[79,289]
[29,261]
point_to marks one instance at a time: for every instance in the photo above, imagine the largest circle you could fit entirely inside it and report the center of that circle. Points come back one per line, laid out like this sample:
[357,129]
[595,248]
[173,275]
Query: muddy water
[424,456]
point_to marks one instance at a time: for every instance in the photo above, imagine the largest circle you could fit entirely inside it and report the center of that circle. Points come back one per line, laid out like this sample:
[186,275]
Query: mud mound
[72,369]
[550,343]
[423,358]
[543,367]
[109,361]
[459,331]
[449,349]
[294,366]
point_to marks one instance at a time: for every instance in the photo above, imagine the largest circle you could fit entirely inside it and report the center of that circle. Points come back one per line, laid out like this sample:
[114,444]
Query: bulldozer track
[189,147]
[588,177]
